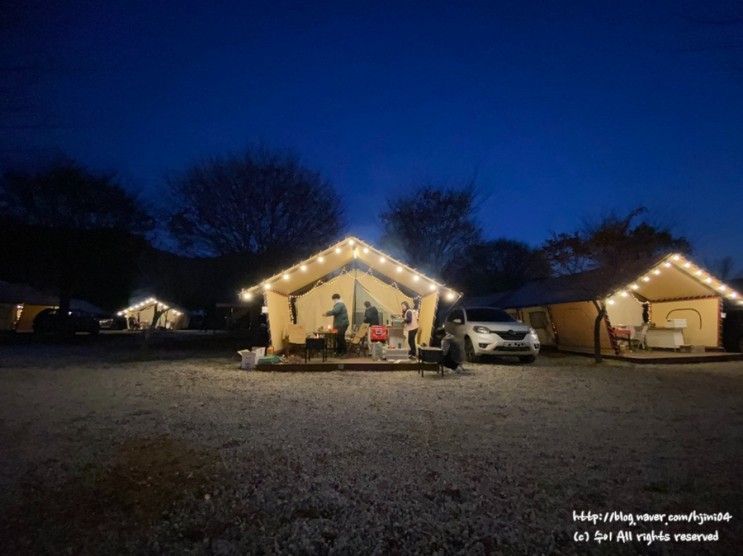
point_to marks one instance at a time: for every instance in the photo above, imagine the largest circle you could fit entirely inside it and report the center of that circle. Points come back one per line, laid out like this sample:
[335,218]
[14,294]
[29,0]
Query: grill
[510,348]
[511,335]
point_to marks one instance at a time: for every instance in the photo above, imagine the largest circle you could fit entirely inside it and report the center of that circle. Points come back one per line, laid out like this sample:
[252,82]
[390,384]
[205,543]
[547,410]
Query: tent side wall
[702,318]
[574,324]
[426,316]
[279,317]
[538,318]
[26,322]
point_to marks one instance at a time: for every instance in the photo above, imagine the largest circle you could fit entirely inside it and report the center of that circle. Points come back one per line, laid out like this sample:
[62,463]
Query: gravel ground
[192,454]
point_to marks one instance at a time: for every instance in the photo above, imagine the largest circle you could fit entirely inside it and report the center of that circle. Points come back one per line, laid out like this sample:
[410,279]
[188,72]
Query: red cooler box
[378,334]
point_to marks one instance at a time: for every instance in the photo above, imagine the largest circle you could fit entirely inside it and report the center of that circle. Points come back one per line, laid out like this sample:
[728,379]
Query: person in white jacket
[410,327]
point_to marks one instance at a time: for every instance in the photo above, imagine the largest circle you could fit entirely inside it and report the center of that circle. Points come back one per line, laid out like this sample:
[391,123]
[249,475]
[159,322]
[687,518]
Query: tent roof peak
[337,256]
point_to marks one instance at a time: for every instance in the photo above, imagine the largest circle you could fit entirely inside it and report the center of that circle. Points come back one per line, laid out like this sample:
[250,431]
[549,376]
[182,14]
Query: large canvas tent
[358,272]
[143,312]
[562,309]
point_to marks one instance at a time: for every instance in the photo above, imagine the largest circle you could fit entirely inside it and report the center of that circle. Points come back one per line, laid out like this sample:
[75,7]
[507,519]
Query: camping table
[315,344]
[330,339]
[665,337]
[430,355]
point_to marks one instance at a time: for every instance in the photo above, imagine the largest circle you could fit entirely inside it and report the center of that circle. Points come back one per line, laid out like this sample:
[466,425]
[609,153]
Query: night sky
[559,113]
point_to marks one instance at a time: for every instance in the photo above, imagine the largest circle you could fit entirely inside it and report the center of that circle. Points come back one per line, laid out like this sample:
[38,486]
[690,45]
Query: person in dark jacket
[452,353]
[371,314]
[340,323]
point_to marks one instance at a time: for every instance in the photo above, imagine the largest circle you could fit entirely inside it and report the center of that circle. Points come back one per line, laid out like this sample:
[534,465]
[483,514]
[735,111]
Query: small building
[683,303]
[150,312]
[301,294]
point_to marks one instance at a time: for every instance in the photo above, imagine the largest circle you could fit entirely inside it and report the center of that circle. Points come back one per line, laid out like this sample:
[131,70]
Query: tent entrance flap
[362,295]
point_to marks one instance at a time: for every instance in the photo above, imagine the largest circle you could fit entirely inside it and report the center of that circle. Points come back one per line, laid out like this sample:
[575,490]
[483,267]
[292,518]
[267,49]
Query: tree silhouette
[431,225]
[258,202]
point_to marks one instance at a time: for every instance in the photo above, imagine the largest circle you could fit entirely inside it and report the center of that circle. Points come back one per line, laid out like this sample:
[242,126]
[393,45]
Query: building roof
[25,294]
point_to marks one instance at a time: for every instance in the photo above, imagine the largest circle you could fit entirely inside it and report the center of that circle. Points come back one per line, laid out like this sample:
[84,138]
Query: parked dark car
[53,321]
[112,323]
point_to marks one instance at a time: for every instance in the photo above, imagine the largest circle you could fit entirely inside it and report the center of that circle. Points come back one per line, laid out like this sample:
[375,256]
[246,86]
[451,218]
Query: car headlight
[482,330]
[533,334]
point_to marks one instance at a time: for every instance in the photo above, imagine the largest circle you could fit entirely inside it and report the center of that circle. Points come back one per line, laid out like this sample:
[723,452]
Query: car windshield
[488,315]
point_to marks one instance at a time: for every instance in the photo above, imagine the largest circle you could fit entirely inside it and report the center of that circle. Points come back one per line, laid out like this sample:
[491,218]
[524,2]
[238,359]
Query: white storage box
[676,323]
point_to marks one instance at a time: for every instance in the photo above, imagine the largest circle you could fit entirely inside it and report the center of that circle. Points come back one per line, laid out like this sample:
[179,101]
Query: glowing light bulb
[698,273]
[286,276]
[382,260]
[303,268]
[687,264]
[366,249]
[450,296]
[623,293]
[646,278]
[432,287]
[610,301]
[707,280]
[656,272]
[267,286]
[352,242]
[337,250]
[667,264]
[733,295]
[320,259]
[635,287]
[399,269]
[676,257]
[416,277]
[722,287]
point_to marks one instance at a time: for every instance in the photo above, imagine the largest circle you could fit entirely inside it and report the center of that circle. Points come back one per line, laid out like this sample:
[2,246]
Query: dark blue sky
[560,112]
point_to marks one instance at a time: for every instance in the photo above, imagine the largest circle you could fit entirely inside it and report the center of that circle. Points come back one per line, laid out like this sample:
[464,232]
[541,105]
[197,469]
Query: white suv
[490,331]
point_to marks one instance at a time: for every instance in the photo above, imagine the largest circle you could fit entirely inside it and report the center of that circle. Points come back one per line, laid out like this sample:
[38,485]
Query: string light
[382,260]
[635,287]
[432,287]
[676,257]
[286,276]
[320,259]
[337,250]
[667,264]
[352,242]
[303,268]
[656,272]
[450,296]
[416,277]
[623,293]
[610,301]
[399,269]
[646,278]
[687,264]
[366,249]
[267,286]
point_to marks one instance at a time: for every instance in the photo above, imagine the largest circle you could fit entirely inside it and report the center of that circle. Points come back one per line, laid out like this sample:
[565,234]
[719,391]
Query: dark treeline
[238,218]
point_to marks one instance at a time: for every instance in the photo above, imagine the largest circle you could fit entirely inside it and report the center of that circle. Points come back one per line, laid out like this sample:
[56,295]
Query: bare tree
[431,225]
[258,202]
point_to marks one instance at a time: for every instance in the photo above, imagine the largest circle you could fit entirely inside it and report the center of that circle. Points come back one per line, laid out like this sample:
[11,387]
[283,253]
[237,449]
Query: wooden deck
[347,364]
[657,356]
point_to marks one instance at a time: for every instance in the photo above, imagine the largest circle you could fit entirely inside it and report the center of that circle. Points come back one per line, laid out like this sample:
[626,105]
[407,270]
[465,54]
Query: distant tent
[358,272]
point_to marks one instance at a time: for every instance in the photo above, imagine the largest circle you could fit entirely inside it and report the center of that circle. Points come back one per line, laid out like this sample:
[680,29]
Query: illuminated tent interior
[561,309]
[358,272]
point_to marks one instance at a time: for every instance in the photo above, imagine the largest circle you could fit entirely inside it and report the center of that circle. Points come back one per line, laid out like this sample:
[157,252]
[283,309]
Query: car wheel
[469,351]
[527,358]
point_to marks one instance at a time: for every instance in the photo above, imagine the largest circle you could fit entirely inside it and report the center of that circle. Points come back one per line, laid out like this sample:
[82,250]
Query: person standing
[410,327]
[371,314]
[340,323]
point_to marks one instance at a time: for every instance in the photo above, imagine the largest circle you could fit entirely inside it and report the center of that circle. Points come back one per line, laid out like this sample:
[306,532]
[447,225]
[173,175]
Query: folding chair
[357,343]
